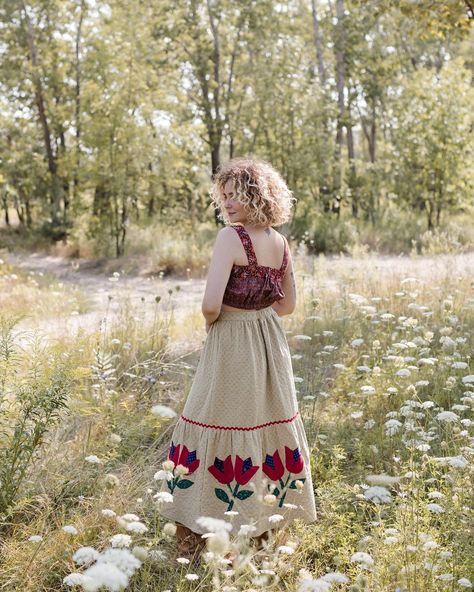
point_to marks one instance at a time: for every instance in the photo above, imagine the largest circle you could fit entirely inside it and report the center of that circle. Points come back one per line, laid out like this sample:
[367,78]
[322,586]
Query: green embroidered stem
[233,492]
[286,491]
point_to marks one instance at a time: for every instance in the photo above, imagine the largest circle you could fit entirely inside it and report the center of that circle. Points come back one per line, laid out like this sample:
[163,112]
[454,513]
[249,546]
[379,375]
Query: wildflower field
[383,362]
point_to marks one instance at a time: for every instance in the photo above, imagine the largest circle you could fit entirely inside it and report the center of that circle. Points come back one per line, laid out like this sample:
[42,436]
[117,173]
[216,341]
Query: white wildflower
[77,579]
[447,416]
[92,458]
[363,558]
[121,558]
[246,529]
[384,480]
[392,426]
[70,529]
[447,577]
[137,527]
[105,575]
[130,517]
[213,524]
[163,475]
[85,555]
[218,542]
[275,518]
[163,411]
[181,470]
[285,549]
[164,496]
[435,508]
[319,585]
[269,499]
[35,538]
[378,495]
[335,577]
[168,465]
[120,540]
[192,577]
[108,513]
[140,552]
[169,529]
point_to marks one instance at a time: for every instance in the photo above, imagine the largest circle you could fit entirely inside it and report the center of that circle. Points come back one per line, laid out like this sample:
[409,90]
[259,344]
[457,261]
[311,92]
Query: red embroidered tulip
[173,453]
[294,460]
[188,459]
[273,467]
[244,470]
[222,470]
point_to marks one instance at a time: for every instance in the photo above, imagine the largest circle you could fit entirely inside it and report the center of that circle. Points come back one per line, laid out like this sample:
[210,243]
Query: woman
[239,450]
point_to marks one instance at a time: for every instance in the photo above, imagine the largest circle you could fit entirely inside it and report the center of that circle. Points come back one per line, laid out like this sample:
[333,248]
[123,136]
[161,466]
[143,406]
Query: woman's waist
[237,314]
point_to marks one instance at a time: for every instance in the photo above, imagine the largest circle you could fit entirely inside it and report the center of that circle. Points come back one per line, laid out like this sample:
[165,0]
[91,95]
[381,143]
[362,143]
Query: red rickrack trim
[218,427]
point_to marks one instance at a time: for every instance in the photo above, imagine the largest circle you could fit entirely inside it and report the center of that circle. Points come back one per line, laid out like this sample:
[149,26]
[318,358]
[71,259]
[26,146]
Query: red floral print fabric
[254,286]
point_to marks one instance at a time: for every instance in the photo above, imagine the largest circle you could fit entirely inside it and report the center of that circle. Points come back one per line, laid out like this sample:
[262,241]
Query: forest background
[115,115]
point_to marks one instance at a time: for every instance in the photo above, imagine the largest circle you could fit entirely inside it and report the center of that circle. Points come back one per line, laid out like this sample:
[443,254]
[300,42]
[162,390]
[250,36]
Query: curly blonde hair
[258,187]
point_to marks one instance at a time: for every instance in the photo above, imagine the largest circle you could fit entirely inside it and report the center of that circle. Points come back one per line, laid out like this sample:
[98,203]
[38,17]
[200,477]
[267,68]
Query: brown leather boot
[189,544]
[259,540]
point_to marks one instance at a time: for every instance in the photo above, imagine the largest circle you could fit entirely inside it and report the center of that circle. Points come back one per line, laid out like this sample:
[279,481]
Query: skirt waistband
[246,315]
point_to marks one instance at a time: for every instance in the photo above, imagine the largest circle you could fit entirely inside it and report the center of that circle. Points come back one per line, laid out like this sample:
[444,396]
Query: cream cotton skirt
[240,436]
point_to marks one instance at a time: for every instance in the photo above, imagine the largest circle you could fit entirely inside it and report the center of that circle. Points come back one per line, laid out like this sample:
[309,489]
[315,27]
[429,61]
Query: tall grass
[384,374]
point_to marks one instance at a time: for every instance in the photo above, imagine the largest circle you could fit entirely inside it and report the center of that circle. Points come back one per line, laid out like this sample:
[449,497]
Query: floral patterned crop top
[254,286]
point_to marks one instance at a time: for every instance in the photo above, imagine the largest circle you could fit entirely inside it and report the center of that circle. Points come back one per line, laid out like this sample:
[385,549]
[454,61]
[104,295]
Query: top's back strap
[247,243]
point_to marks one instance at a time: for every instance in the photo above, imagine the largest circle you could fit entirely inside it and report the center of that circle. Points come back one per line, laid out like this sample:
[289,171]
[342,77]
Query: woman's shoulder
[227,236]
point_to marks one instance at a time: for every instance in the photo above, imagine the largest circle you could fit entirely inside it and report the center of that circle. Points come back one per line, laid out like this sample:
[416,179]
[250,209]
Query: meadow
[382,357]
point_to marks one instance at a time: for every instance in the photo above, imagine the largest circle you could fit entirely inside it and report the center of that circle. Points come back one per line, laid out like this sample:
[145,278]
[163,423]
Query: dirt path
[99,286]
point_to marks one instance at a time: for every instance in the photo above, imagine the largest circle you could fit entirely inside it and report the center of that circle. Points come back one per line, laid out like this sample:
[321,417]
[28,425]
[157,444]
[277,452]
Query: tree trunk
[5,207]
[340,83]
[352,167]
[40,103]
[77,98]
[318,44]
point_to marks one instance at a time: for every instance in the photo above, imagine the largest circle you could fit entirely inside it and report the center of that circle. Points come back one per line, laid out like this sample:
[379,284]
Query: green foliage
[30,408]
[113,116]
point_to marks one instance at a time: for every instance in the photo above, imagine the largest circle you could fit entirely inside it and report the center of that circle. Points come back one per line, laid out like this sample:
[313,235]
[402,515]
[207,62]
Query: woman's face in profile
[235,210]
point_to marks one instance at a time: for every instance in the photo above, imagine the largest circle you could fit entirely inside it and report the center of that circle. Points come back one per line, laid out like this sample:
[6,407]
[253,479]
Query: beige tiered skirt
[240,436]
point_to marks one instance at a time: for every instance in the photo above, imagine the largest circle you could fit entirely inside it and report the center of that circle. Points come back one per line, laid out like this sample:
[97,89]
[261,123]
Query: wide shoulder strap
[247,243]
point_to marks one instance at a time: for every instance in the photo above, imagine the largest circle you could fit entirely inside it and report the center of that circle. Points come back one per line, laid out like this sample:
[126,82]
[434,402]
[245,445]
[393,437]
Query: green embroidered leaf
[293,483]
[275,492]
[244,494]
[222,495]
[184,483]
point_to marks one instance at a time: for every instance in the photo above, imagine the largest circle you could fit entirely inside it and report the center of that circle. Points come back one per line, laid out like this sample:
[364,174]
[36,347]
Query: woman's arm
[287,305]
[218,275]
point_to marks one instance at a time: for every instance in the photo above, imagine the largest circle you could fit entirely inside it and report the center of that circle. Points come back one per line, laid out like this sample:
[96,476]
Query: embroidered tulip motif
[274,470]
[225,471]
[273,467]
[181,456]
